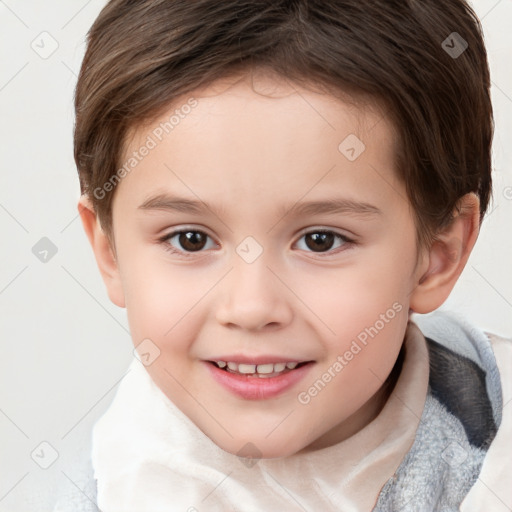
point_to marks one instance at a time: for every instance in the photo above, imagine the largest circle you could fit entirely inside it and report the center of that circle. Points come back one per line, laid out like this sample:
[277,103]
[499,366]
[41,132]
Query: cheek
[352,299]
[386,275]
[368,324]
[369,334]
[161,299]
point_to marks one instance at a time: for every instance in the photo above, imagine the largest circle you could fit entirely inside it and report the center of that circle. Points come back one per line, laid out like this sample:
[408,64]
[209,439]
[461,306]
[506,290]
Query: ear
[103,252]
[447,257]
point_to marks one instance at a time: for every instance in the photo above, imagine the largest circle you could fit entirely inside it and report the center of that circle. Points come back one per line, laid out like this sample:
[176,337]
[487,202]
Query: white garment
[148,456]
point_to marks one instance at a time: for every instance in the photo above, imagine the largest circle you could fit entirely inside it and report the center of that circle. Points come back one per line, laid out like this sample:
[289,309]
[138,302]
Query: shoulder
[460,385]
[465,373]
[471,375]
[492,489]
[463,438]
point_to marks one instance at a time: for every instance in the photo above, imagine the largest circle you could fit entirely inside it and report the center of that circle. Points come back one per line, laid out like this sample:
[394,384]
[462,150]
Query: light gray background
[64,346]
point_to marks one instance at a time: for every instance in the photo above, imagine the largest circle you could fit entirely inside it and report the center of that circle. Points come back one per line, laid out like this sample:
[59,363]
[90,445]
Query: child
[272,373]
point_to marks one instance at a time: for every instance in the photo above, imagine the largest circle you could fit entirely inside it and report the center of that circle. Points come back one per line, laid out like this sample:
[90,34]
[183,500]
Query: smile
[260,370]
[246,381]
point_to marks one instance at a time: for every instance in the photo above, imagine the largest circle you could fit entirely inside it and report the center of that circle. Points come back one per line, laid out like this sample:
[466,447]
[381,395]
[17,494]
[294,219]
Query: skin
[254,156]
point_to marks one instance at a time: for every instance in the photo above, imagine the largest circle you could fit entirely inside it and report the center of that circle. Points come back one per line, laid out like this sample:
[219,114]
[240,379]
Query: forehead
[258,135]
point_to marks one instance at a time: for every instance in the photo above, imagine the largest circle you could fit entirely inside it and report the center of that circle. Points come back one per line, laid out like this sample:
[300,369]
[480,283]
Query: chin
[259,449]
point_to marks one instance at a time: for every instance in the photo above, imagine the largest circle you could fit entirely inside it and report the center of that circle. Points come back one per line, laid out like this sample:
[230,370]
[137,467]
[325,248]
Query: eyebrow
[338,206]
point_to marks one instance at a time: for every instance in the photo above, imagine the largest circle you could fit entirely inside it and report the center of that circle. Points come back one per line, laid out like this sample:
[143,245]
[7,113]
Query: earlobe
[447,257]
[103,252]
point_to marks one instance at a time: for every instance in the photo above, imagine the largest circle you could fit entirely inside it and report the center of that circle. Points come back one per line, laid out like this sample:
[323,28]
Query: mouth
[255,385]
[261,371]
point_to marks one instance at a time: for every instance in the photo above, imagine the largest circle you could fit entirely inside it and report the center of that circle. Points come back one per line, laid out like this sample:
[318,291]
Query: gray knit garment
[460,419]
[438,471]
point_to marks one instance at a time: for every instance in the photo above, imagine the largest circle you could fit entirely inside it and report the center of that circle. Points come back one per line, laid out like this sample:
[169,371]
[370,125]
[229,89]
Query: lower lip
[258,388]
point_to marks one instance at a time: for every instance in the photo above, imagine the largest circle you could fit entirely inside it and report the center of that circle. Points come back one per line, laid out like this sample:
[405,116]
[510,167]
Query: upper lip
[244,359]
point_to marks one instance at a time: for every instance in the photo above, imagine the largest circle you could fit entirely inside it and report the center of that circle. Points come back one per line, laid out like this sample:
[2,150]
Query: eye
[321,241]
[190,240]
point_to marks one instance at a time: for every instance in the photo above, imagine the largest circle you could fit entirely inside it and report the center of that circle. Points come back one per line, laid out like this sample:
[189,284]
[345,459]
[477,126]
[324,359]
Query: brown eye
[192,240]
[187,241]
[322,241]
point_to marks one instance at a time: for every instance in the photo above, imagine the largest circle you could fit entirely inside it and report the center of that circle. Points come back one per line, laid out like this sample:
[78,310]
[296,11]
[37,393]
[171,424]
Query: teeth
[260,368]
[243,368]
[265,368]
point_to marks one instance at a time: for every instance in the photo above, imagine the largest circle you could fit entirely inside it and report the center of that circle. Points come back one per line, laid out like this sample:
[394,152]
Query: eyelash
[347,242]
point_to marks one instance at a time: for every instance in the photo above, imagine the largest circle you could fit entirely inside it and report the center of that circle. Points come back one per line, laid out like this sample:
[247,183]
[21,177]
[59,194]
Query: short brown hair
[405,54]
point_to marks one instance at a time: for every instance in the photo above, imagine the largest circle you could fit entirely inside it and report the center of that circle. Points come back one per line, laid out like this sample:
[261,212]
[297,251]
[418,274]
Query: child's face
[256,285]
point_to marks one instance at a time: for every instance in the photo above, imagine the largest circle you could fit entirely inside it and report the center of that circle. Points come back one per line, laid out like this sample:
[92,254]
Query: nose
[253,297]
